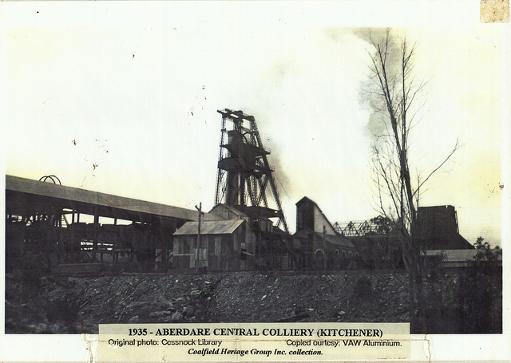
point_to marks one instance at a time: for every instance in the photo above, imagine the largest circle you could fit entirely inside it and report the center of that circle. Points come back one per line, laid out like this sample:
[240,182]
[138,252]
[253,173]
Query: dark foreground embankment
[457,301]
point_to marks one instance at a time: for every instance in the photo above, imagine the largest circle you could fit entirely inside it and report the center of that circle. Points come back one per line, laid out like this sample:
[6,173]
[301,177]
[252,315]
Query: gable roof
[209,227]
[306,199]
[214,211]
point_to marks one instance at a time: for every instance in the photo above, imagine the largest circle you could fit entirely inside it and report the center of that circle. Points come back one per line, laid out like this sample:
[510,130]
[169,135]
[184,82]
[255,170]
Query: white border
[345,13]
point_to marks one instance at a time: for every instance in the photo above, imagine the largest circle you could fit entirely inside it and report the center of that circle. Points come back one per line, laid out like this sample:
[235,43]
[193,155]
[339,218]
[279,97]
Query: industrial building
[438,229]
[231,241]
[379,245]
[71,229]
[250,230]
[320,246]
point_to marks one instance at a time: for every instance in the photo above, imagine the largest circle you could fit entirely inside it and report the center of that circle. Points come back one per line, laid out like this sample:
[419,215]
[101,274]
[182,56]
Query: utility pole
[197,253]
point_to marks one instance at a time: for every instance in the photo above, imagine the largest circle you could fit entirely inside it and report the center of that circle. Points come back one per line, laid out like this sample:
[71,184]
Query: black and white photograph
[222,162]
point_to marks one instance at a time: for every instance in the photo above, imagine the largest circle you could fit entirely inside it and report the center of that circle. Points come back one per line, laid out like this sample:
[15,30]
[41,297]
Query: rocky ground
[59,304]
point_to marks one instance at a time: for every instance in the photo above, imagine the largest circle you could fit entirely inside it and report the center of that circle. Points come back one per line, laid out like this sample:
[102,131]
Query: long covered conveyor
[63,225]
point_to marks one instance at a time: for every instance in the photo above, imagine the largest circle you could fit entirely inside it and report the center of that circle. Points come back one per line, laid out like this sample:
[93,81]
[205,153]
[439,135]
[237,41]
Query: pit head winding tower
[245,179]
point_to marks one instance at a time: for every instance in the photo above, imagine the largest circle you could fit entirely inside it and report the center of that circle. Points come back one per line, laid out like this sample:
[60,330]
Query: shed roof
[332,239]
[336,240]
[209,227]
[454,255]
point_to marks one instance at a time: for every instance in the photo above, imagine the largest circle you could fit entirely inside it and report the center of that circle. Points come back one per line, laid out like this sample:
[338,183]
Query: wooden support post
[199,244]
[96,230]
[165,247]
[163,234]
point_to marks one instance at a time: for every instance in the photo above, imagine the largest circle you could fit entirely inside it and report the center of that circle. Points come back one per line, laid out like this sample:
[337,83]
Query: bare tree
[392,94]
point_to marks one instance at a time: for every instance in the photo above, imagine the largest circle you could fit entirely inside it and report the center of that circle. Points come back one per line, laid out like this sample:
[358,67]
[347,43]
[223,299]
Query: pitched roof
[216,211]
[70,197]
[209,227]
[306,199]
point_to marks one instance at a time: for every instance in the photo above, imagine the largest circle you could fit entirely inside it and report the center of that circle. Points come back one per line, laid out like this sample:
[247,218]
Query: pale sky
[123,83]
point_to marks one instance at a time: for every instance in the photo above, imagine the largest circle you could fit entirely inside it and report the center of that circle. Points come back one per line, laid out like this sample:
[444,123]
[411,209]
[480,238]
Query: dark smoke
[279,173]
[369,94]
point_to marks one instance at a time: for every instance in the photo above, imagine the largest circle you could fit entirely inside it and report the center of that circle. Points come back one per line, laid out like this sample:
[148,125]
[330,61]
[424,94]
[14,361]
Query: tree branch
[454,149]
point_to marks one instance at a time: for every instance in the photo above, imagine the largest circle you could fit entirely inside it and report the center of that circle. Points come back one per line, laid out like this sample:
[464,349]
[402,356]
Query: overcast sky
[137,90]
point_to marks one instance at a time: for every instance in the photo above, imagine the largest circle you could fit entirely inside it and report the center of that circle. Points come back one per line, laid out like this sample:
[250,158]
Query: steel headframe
[244,172]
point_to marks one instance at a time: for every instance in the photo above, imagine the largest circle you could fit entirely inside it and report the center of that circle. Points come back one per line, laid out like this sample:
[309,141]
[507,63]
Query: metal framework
[43,218]
[244,173]
[50,179]
[378,225]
